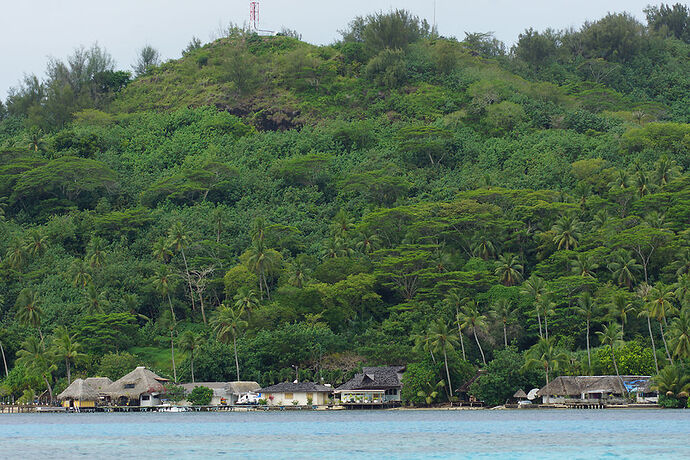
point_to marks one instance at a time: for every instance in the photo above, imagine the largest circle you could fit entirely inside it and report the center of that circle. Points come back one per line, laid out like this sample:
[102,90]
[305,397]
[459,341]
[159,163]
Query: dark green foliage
[504,376]
[200,396]
[116,365]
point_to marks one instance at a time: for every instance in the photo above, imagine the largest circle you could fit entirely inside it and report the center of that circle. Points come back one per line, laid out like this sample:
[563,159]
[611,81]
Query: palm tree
[567,232]
[334,248]
[37,244]
[646,312]
[367,242]
[612,336]
[509,269]
[178,238]
[643,185]
[584,266]
[66,347]
[258,230]
[680,334]
[161,250]
[671,382]
[16,255]
[263,262]
[227,324]
[299,272]
[168,321]
[80,273]
[483,247]
[455,300]
[621,179]
[504,312]
[443,340]
[94,301]
[422,343]
[36,359]
[586,307]
[96,252]
[665,170]
[601,220]
[29,311]
[190,342]
[246,300]
[470,318]
[535,288]
[2,351]
[660,299]
[164,282]
[623,267]
[342,223]
[545,355]
[682,263]
[619,307]
[546,308]
[682,292]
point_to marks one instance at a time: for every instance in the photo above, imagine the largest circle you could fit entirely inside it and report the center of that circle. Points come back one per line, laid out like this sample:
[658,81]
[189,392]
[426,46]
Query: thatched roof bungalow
[596,387]
[141,386]
[79,395]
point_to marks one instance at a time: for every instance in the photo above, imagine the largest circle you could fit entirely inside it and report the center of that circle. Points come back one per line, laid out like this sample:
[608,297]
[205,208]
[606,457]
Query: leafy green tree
[228,323]
[80,273]
[263,262]
[612,336]
[671,383]
[547,356]
[190,342]
[509,269]
[148,57]
[94,301]
[504,312]
[472,319]
[567,232]
[647,312]
[36,244]
[504,375]
[623,267]
[29,311]
[442,340]
[200,396]
[619,308]
[35,358]
[116,365]
[421,384]
[16,254]
[680,334]
[387,69]
[66,347]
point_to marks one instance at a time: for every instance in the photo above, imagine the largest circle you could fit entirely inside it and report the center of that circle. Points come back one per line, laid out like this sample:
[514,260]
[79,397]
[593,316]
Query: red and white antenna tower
[254,16]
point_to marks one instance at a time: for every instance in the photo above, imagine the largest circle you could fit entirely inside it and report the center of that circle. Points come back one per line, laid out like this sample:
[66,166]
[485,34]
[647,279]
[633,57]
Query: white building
[297,394]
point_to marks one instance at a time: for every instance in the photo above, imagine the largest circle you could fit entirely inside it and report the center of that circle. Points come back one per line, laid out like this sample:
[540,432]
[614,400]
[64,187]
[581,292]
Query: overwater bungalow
[79,395]
[141,387]
[375,386]
[600,388]
[297,394]
[225,393]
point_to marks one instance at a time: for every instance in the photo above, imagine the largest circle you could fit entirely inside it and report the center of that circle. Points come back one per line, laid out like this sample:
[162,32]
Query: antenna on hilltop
[254,16]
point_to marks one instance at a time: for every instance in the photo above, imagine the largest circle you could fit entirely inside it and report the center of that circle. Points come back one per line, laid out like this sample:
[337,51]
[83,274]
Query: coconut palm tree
[190,342]
[164,283]
[503,311]
[509,269]
[96,251]
[545,355]
[367,242]
[262,261]
[298,272]
[178,239]
[679,333]
[619,307]
[671,382]
[443,340]
[246,300]
[621,179]
[161,250]
[660,307]
[567,230]
[483,247]
[682,263]
[422,343]
[66,347]
[612,336]
[36,359]
[624,267]
[472,319]
[94,301]
[2,351]
[584,266]
[546,308]
[342,224]
[168,321]
[643,185]
[16,254]
[665,170]
[682,292]
[586,307]
[36,244]
[79,271]
[29,312]
[455,300]
[228,323]
[535,288]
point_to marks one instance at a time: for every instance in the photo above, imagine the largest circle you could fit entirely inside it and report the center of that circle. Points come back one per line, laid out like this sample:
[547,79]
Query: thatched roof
[79,390]
[133,385]
[520,394]
[99,384]
[240,388]
[577,385]
[375,378]
[300,387]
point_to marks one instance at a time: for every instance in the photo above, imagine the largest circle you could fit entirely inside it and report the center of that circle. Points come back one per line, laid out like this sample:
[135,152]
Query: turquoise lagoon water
[520,434]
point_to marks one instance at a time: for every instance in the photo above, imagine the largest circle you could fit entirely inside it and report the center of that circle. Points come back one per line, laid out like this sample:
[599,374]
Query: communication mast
[254,16]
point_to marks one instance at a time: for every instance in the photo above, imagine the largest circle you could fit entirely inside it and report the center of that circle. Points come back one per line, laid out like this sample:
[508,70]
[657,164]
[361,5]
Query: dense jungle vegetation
[397,197]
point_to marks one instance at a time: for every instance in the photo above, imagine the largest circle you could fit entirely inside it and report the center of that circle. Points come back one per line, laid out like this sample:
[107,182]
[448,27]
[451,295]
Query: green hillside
[397,197]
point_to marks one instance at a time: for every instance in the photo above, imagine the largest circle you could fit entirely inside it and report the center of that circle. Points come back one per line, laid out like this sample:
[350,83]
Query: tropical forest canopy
[397,197]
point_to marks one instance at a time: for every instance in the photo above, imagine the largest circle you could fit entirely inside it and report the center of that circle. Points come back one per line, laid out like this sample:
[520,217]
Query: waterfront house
[297,393]
[374,386]
[599,388]
[79,395]
[141,387]
[225,393]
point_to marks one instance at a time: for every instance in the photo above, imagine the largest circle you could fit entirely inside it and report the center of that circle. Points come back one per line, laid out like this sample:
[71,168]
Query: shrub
[200,396]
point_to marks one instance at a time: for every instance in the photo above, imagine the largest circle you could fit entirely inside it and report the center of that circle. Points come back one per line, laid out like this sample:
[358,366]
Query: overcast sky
[31,31]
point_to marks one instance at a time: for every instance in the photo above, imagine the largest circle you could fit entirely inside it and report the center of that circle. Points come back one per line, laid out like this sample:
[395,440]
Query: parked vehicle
[250,399]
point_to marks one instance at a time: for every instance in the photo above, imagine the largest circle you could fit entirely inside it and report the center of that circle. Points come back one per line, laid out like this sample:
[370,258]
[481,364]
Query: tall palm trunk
[546,327]
[450,385]
[589,356]
[237,361]
[172,353]
[203,312]
[4,359]
[462,342]
[191,364]
[651,336]
[189,279]
[172,311]
[480,347]
[505,335]
[69,373]
[50,388]
[663,338]
[541,336]
[615,366]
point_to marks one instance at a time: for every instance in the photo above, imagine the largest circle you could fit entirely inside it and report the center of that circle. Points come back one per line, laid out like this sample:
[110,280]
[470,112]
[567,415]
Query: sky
[32,31]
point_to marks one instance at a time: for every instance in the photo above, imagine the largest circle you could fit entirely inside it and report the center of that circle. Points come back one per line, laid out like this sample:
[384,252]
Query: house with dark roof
[375,386]
[297,394]
[598,387]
